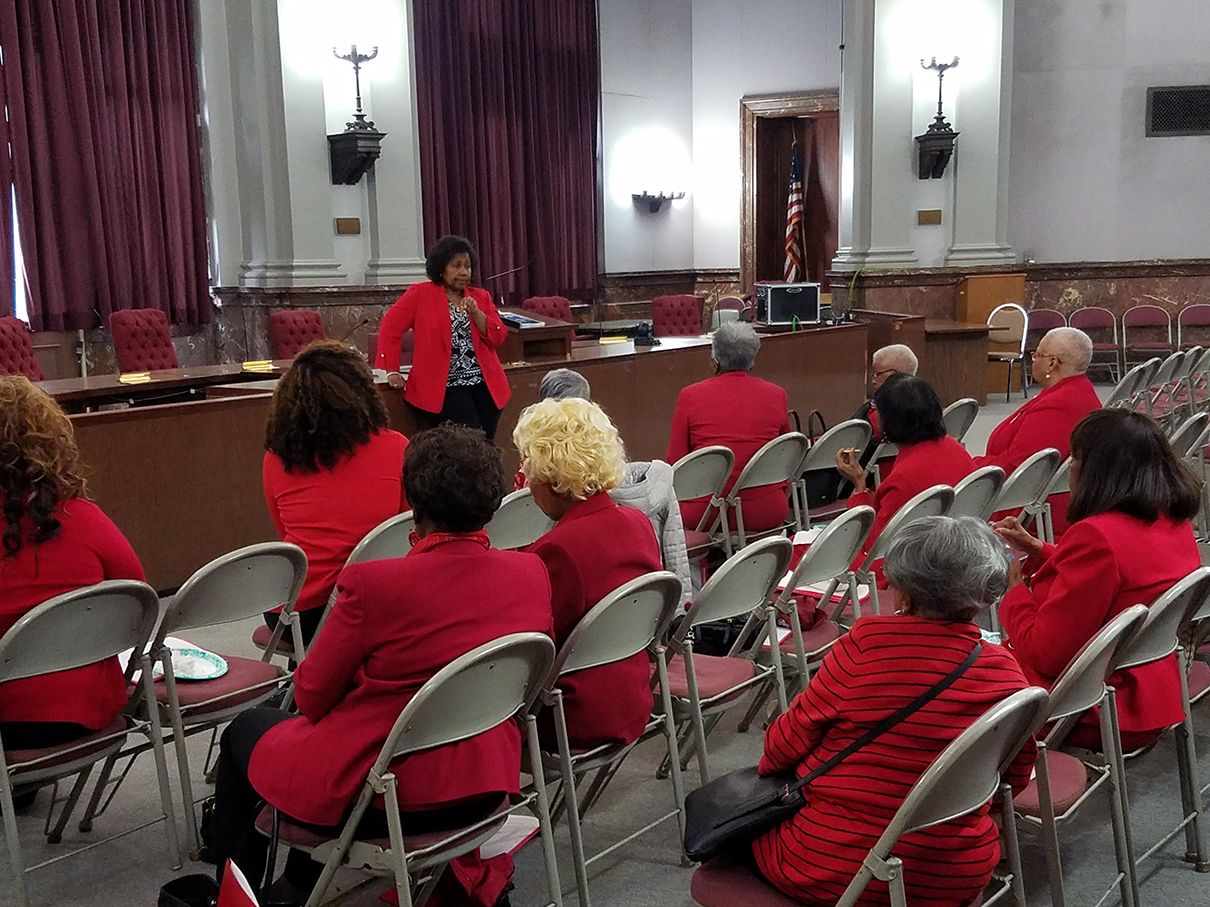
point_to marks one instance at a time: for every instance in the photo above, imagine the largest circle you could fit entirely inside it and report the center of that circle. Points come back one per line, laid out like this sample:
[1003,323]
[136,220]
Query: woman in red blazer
[55,540]
[572,456]
[1129,540]
[910,415]
[1047,420]
[456,375]
[395,624]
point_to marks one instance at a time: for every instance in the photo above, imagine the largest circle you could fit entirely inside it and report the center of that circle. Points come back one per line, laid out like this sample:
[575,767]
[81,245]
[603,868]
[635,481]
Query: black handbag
[822,485]
[736,807]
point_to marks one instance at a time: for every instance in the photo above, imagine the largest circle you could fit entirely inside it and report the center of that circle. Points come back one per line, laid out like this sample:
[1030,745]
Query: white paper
[782,633]
[516,831]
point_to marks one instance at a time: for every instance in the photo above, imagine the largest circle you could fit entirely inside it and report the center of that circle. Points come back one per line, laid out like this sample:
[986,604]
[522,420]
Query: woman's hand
[476,315]
[848,466]
[1011,530]
[395,380]
[1016,572]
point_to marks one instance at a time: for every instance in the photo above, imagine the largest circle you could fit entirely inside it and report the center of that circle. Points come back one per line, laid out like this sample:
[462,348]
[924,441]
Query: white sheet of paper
[782,633]
[516,831]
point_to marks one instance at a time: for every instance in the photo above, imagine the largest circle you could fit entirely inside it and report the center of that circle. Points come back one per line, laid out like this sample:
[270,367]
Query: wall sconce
[936,146]
[655,202]
[353,152]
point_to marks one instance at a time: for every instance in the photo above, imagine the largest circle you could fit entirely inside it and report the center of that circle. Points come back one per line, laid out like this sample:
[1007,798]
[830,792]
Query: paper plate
[189,663]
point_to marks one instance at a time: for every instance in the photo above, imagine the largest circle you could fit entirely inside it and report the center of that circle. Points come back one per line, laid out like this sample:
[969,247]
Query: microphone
[355,328]
[512,270]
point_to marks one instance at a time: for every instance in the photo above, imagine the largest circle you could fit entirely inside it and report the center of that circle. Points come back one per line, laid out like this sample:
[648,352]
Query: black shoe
[23,801]
[284,893]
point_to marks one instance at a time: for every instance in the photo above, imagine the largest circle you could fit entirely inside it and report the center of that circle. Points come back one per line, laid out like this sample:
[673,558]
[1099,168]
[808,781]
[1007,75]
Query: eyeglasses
[885,371]
[1051,356]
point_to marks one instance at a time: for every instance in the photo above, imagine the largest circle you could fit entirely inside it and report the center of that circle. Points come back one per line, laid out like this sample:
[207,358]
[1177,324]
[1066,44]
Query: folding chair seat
[1008,323]
[518,522]
[822,457]
[719,677]
[1102,327]
[976,494]
[699,474]
[959,416]
[779,461]
[962,779]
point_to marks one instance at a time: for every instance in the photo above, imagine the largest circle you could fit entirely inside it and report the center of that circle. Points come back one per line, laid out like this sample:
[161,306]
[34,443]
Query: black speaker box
[784,303]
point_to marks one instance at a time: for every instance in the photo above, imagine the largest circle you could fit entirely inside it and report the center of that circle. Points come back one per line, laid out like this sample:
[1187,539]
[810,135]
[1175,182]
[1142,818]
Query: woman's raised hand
[1012,531]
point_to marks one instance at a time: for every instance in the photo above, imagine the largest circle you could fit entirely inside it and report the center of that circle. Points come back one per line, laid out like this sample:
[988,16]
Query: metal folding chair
[1008,323]
[1124,391]
[1184,436]
[1023,490]
[959,416]
[518,522]
[976,494]
[1158,399]
[822,455]
[778,461]
[699,474]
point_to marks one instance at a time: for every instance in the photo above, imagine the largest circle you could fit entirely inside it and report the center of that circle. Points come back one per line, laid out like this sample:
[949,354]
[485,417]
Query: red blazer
[813,856]
[1102,566]
[917,467]
[596,547]
[743,413]
[396,624]
[1045,421]
[327,513]
[424,309]
[88,549]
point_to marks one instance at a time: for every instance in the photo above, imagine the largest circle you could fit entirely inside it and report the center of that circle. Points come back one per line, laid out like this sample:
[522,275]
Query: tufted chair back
[292,329]
[17,351]
[677,316]
[142,341]
[549,306]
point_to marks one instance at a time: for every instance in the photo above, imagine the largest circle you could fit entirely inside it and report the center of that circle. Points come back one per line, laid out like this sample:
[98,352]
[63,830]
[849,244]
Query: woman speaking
[456,375]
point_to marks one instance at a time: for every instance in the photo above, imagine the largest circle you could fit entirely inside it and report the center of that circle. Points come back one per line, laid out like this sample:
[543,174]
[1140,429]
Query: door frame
[752,108]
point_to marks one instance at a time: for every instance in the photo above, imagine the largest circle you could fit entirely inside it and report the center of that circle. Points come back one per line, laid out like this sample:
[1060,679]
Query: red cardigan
[396,624]
[424,309]
[88,549]
[327,513]
[878,667]
[596,547]
[1102,566]
[741,412]
[1045,421]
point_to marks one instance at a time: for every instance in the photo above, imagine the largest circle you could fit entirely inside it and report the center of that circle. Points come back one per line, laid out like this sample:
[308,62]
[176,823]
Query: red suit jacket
[596,547]
[813,856]
[743,413]
[396,624]
[1045,421]
[88,549]
[1103,565]
[424,309]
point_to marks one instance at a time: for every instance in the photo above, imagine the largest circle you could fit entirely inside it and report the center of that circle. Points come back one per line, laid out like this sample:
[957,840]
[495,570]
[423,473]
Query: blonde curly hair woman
[572,456]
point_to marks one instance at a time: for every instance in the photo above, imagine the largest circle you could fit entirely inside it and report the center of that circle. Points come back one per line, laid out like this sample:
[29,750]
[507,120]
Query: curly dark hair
[453,477]
[908,410]
[39,463]
[324,406]
[441,254]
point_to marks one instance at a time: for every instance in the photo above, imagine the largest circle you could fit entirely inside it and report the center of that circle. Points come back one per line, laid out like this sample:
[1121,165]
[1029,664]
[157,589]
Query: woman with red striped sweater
[942,571]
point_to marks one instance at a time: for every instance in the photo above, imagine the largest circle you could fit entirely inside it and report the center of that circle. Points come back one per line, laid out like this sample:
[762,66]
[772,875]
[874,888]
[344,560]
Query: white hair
[1072,347]
[734,346]
[897,356]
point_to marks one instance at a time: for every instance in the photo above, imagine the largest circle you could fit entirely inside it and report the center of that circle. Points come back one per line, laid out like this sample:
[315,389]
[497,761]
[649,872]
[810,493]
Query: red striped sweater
[879,667]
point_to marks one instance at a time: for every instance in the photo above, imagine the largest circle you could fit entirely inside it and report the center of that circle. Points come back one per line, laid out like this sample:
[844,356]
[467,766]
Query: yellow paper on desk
[134,377]
[258,365]
[614,340]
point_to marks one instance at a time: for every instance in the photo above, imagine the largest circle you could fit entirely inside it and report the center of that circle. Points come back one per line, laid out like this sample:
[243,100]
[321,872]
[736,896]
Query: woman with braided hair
[333,470]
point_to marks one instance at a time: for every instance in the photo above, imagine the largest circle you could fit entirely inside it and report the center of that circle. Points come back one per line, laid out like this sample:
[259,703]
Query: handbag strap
[887,723]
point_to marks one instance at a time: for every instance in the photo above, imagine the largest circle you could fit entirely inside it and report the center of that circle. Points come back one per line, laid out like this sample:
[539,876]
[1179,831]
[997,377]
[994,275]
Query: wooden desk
[79,394]
[526,342]
[955,359]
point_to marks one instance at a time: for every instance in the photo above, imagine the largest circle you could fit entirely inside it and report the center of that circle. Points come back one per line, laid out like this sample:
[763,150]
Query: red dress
[425,310]
[1102,566]
[88,549]
[1045,421]
[743,413]
[596,547]
[327,513]
[813,856]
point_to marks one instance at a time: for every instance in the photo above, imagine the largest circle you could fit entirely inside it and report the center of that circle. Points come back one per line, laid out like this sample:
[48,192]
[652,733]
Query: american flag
[794,267]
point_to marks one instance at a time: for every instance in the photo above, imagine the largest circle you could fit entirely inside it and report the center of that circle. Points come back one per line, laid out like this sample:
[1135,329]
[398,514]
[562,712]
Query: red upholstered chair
[1038,322]
[549,306]
[1146,332]
[292,329]
[677,316]
[16,351]
[142,341]
[1193,316]
[1100,324]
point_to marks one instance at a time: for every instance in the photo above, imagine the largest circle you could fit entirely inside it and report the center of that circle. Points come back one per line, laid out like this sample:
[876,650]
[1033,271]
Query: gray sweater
[648,487]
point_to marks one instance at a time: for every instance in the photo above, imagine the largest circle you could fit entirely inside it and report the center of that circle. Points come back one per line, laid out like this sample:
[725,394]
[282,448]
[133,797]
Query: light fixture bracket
[655,202]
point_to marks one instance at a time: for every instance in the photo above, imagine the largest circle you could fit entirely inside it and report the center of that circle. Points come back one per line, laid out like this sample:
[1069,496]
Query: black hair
[908,410]
[1126,464]
[443,252]
[453,477]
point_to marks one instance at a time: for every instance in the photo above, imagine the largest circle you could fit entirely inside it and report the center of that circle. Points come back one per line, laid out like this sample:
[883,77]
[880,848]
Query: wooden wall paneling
[978,295]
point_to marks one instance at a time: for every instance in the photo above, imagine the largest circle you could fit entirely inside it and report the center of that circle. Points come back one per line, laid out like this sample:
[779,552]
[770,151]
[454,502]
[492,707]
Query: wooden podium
[548,337]
[978,294]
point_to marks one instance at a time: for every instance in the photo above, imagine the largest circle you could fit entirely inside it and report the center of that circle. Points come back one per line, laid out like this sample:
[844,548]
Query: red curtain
[103,105]
[507,107]
[821,188]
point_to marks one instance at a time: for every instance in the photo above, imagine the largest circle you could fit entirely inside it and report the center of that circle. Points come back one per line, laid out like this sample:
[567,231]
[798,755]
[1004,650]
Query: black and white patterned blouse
[464,367]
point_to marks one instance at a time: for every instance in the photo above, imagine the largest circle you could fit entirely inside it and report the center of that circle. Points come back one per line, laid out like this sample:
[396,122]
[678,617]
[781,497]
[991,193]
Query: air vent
[1184,110]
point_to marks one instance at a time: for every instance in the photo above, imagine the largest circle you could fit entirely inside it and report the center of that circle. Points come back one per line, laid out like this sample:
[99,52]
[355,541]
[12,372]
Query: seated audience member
[1129,540]
[1047,420]
[896,359]
[910,414]
[557,384]
[573,457]
[395,624]
[332,470]
[943,572]
[739,411]
[55,541]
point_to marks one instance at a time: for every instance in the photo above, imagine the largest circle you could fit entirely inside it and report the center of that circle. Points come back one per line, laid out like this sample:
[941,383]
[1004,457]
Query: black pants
[308,622]
[472,406]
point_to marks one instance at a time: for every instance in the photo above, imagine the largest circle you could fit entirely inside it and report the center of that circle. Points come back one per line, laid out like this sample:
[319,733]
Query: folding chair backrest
[702,473]
[621,624]
[1082,683]
[1157,637]
[389,539]
[1008,324]
[518,522]
[1201,362]
[1026,484]
[778,461]
[975,495]
[1060,482]
[1167,370]
[935,501]
[1147,316]
[959,416]
[472,694]
[833,549]
[743,582]
[1188,432]
[1130,384]
[242,583]
[79,628]
[822,455]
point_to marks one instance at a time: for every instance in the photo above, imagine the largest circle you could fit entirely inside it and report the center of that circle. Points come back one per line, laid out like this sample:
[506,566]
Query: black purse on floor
[736,807]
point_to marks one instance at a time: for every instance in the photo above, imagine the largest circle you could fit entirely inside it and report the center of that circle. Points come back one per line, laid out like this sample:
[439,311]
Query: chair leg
[569,802]
[15,864]
[674,757]
[1119,801]
[1050,831]
[403,882]
[56,834]
[1196,850]
[161,764]
[182,764]
[697,721]
[1013,845]
[98,792]
[545,823]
